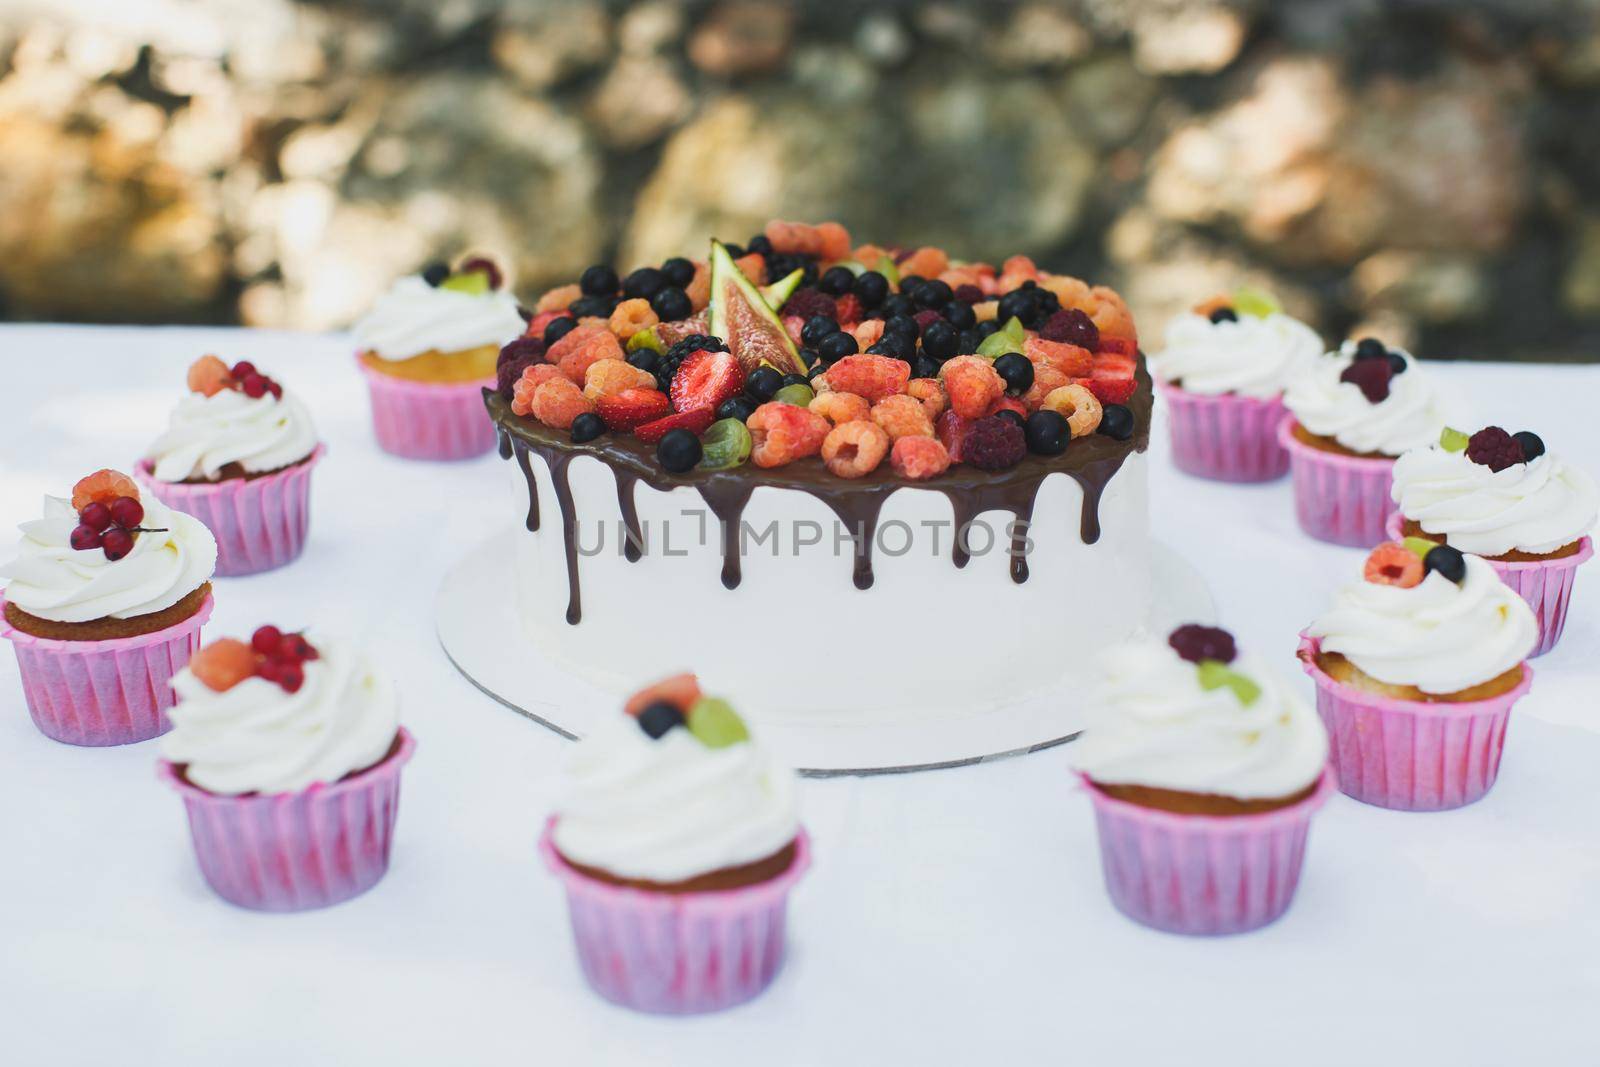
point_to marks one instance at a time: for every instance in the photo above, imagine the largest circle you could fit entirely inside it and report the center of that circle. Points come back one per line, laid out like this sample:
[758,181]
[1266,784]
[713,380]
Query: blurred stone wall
[1429,168]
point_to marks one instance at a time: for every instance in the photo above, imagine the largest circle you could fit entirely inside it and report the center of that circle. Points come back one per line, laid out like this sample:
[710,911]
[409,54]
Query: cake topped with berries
[806,382]
[107,562]
[1426,622]
[442,325]
[1368,399]
[1241,344]
[1496,494]
[278,713]
[236,422]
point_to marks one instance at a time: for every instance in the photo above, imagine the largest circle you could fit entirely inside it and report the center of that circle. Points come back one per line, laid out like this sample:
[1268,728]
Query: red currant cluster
[252,382]
[109,527]
[282,657]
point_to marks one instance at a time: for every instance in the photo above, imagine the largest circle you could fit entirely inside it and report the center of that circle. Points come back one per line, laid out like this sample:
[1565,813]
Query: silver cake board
[483,637]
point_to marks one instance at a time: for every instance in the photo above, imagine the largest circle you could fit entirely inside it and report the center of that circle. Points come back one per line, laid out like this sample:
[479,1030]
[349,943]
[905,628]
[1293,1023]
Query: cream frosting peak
[205,433]
[1250,356]
[1151,723]
[1439,636]
[671,809]
[413,318]
[1411,416]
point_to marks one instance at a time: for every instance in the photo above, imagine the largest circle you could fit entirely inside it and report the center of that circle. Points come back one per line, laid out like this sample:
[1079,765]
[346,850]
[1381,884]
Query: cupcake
[1351,413]
[237,455]
[104,604]
[287,752]
[428,350]
[1204,773]
[1503,497]
[1222,375]
[1417,666]
[677,844]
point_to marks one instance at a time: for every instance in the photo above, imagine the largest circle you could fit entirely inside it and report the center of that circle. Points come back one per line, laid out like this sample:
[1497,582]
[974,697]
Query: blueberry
[1017,372]
[596,306]
[795,379]
[898,345]
[809,357]
[1012,417]
[836,281]
[645,359]
[678,450]
[1532,445]
[1017,304]
[1047,432]
[435,272]
[764,381]
[904,325]
[1224,315]
[910,283]
[587,427]
[734,251]
[941,291]
[671,304]
[968,342]
[598,280]
[556,329]
[645,282]
[760,244]
[924,367]
[736,407]
[959,315]
[1447,561]
[987,327]
[678,271]
[836,346]
[927,295]
[941,340]
[818,368]
[816,328]
[656,719]
[898,304]
[1371,348]
[1397,363]
[1049,304]
[871,288]
[1116,422]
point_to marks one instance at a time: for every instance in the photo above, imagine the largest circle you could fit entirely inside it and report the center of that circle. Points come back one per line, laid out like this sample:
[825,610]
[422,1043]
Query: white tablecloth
[951,917]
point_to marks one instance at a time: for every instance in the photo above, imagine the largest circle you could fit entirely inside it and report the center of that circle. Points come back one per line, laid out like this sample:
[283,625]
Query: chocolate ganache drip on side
[1090,461]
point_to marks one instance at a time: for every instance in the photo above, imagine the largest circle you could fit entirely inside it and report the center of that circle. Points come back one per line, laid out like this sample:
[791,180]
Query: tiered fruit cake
[827,395]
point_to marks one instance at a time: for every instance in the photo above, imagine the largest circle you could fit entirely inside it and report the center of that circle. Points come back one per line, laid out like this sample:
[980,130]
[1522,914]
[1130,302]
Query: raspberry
[537,324]
[925,262]
[523,388]
[103,486]
[608,377]
[835,242]
[1072,360]
[223,664]
[593,345]
[1080,407]
[515,358]
[902,416]
[854,449]
[994,444]
[1491,446]
[952,431]
[1112,317]
[694,421]
[848,308]
[794,237]
[872,377]
[1046,379]
[1392,563]
[930,394]
[1015,271]
[807,302]
[681,691]
[521,349]
[633,407]
[1371,376]
[573,341]
[557,402]
[1008,403]
[969,294]
[209,376]
[699,288]
[1195,643]
[840,408]
[919,458]
[558,299]
[783,433]
[631,316]
[868,333]
[925,318]
[973,386]
[1073,327]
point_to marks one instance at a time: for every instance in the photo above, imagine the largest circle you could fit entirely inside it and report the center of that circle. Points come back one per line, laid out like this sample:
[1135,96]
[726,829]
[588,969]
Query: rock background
[1429,169]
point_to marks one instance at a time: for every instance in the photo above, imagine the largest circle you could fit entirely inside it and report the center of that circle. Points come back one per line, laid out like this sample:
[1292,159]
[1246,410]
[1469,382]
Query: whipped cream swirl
[256,737]
[206,433]
[1411,416]
[672,809]
[413,318]
[52,580]
[1151,724]
[1250,356]
[1528,507]
[1438,636]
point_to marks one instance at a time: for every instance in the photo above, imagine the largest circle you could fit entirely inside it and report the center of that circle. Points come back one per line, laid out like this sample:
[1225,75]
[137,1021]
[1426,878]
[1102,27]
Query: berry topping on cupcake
[209,376]
[271,655]
[1197,643]
[109,514]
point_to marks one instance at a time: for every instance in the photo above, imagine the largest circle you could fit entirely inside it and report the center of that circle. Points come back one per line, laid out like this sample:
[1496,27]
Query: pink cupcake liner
[1340,499]
[259,523]
[1226,438]
[677,953]
[103,693]
[1546,584]
[429,420]
[1406,754]
[296,851]
[1204,875]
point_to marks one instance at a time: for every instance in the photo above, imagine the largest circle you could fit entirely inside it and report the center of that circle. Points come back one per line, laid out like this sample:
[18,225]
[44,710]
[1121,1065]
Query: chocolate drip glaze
[1090,461]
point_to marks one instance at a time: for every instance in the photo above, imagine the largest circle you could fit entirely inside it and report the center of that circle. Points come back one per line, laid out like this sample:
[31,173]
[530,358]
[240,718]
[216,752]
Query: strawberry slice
[694,421]
[632,408]
[705,380]
[1112,379]
[952,430]
[1118,346]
